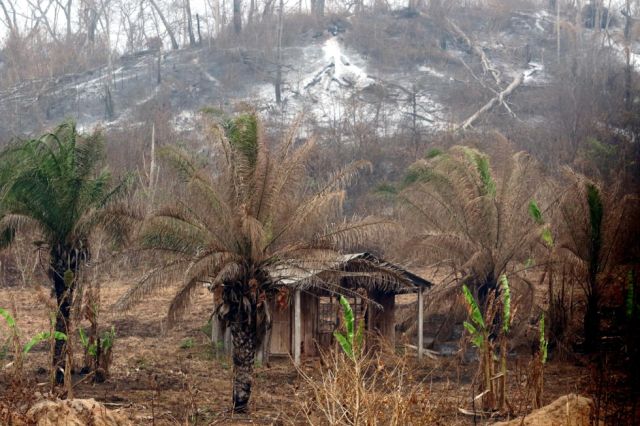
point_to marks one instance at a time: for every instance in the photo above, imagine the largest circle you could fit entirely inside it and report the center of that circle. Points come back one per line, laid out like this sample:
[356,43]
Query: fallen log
[428,352]
[498,99]
[486,65]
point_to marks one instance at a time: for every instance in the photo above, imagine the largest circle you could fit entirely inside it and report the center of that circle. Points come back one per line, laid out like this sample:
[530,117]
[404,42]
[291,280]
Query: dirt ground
[170,376]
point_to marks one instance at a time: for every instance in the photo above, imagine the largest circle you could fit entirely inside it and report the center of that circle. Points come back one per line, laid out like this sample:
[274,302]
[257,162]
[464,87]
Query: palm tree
[599,231]
[53,185]
[472,217]
[242,223]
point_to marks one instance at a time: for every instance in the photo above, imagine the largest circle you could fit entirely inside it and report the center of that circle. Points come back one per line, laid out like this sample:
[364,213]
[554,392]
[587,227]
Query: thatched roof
[349,272]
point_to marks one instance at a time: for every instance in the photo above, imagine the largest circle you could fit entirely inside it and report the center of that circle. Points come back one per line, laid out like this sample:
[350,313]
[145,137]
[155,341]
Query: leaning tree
[242,220]
[56,186]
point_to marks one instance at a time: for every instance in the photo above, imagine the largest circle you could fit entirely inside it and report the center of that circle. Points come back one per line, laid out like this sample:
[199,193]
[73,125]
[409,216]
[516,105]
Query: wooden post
[228,341]
[217,338]
[420,322]
[297,328]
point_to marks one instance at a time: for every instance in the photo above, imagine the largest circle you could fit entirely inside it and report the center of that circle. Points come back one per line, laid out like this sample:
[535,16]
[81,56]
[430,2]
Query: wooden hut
[306,319]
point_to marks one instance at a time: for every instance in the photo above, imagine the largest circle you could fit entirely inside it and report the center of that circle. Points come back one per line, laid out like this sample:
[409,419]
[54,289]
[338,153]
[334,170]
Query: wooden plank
[309,314]
[297,328]
[420,322]
[382,320]
[281,331]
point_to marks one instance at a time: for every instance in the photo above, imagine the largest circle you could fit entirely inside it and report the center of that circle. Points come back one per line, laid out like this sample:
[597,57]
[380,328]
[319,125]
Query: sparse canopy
[254,211]
[471,216]
[599,233]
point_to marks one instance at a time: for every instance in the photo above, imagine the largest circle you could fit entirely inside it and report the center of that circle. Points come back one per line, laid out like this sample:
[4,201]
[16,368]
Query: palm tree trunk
[64,265]
[244,350]
[60,264]
[591,324]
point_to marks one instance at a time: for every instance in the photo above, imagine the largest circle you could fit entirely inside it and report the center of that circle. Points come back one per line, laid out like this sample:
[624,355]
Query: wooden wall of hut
[382,321]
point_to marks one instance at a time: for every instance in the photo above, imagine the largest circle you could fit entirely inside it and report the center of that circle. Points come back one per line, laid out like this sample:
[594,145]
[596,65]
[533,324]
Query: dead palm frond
[598,228]
[474,213]
[253,213]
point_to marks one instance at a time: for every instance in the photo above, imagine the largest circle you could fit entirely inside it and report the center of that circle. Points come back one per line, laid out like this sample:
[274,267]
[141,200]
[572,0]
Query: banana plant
[479,330]
[99,351]
[37,338]
[11,322]
[538,365]
[351,342]
[42,336]
[476,328]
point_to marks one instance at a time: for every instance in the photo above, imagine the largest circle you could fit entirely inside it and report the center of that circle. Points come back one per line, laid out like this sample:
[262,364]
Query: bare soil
[170,376]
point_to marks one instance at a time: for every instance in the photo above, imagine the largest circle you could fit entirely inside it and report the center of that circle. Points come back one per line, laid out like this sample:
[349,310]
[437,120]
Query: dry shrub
[376,387]
[38,57]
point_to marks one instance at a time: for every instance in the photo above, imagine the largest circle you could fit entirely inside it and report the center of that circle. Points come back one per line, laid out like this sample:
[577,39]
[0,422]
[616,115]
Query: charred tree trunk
[64,265]
[198,28]
[192,38]
[317,8]
[278,82]
[246,315]
[591,323]
[244,335]
[237,16]
[627,51]
[174,42]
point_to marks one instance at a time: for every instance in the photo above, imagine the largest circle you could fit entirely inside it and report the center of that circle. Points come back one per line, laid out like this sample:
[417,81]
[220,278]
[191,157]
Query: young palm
[243,226]
[55,185]
[474,217]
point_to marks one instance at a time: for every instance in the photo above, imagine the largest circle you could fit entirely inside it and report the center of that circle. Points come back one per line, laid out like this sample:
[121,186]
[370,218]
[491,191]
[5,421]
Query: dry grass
[373,388]
[154,380]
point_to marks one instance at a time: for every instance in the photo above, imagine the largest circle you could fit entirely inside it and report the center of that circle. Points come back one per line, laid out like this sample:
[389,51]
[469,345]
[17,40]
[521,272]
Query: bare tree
[92,11]
[278,82]
[237,16]
[172,36]
[187,7]
[66,9]
[317,8]
[9,12]
[42,16]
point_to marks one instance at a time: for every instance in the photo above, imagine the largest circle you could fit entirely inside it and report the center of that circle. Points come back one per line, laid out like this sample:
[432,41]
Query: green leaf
[108,338]
[359,338]
[344,343]
[543,341]
[474,309]
[482,165]
[347,313]
[242,132]
[506,303]
[547,237]
[470,328]
[43,335]
[535,213]
[477,341]
[11,322]
[476,337]
[83,337]
[92,349]
[433,153]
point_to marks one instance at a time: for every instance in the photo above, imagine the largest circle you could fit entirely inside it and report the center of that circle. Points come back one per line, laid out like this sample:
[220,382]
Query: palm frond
[154,280]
